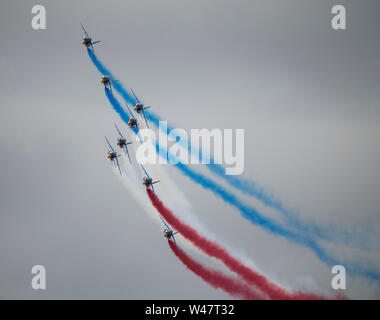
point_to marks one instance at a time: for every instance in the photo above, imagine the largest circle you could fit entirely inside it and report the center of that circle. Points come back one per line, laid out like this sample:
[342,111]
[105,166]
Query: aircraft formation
[122,143]
[136,117]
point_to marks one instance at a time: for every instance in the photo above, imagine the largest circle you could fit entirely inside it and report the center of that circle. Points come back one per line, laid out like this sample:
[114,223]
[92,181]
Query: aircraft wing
[135,96]
[146,122]
[109,145]
[85,32]
[166,225]
[118,166]
[174,241]
[153,191]
[118,131]
[146,173]
[138,132]
[130,112]
[126,150]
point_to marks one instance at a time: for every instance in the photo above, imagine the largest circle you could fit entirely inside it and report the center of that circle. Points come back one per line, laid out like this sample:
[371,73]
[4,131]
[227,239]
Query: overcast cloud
[306,95]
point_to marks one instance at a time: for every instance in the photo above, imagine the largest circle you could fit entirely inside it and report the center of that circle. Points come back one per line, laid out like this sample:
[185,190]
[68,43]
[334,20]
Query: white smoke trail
[174,198]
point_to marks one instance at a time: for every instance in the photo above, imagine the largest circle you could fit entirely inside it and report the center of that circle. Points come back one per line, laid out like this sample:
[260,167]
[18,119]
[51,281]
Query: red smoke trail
[216,278]
[214,250]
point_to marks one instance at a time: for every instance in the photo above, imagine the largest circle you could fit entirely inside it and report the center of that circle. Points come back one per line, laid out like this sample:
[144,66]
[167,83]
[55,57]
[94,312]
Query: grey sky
[306,95]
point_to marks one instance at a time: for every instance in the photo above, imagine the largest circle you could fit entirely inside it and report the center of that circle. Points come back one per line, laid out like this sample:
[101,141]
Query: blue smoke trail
[115,84]
[119,109]
[250,188]
[248,212]
[255,217]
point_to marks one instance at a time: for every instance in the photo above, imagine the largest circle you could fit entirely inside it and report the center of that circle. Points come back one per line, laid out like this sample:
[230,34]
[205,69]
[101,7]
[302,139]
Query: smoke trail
[174,198]
[118,108]
[214,250]
[215,278]
[116,84]
[133,184]
[248,212]
[247,187]
[255,217]
[250,188]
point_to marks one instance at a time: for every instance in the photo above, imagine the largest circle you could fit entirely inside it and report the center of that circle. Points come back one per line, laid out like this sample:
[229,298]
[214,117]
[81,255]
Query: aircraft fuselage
[121,142]
[111,155]
[147,182]
[138,107]
[87,42]
[106,81]
[168,233]
[132,122]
